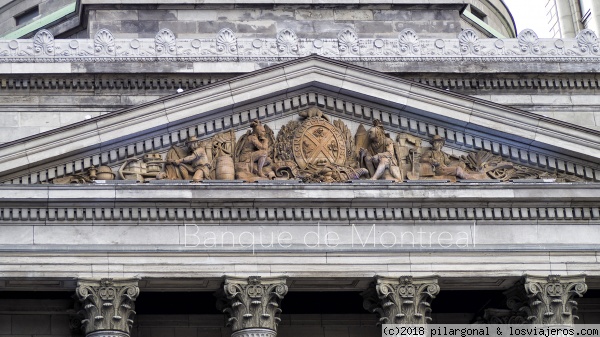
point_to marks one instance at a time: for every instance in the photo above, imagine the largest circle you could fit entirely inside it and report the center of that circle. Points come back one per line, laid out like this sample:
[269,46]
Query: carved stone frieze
[551,298]
[90,175]
[252,304]
[315,149]
[287,45]
[108,305]
[406,300]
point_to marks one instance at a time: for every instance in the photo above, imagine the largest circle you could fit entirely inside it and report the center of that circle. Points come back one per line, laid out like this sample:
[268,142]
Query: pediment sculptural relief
[314,149]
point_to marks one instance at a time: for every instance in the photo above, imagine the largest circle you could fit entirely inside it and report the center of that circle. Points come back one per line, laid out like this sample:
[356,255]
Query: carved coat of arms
[315,149]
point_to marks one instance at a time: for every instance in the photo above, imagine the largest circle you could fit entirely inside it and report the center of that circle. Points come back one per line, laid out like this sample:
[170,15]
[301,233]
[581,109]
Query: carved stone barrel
[104,173]
[134,170]
[225,169]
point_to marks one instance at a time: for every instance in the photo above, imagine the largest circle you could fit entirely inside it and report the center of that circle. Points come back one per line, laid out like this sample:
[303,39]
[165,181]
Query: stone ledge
[29,56]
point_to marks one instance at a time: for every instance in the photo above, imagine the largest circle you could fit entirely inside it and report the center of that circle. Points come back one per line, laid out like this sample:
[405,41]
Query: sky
[530,14]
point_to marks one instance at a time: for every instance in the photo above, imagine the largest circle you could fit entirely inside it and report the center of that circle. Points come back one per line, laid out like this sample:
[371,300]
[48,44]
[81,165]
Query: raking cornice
[170,114]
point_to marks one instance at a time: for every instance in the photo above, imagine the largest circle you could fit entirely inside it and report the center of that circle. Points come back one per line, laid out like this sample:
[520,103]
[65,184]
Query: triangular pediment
[275,95]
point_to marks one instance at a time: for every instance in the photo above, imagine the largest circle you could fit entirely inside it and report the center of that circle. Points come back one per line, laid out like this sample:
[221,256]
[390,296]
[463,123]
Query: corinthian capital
[551,298]
[108,306]
[252,304]
[406,300]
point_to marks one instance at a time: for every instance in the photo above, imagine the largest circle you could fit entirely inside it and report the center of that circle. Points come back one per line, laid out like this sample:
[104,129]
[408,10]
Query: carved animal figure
[313,112]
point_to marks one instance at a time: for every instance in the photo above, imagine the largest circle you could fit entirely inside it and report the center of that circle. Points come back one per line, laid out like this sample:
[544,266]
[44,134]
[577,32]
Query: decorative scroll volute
[551,298]
[252,302]
[107,304]
[406,300]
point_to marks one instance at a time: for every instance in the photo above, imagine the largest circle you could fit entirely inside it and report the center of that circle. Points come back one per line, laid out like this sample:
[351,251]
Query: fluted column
[252,304]
[404,300]
[551,298]
[108,306]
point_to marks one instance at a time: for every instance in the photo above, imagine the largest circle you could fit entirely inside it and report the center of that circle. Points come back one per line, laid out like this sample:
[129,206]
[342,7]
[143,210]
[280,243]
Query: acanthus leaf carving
[551,298]
[252,303]
[406,300]
[107,304]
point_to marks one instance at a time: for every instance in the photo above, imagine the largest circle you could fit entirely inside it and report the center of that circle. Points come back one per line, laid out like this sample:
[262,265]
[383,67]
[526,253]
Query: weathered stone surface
[252,304]
[115,15]
[401,301]
[352,15]
[108,305]
[314,14]
[551,298]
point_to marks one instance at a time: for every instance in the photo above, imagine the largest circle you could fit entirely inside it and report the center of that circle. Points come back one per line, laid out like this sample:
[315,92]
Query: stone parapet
[242,53]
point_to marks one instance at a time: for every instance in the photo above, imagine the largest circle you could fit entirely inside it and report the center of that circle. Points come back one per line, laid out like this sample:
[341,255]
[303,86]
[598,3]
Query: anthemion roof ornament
[104,47]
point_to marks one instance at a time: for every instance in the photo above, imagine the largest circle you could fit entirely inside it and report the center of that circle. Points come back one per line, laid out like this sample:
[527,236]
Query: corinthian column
[401,301]
[108,306]
[252,304]
[551,298]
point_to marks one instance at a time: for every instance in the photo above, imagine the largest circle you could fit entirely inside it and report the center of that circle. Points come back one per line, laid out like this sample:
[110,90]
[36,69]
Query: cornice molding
[575,83]
[157,214]
[279,203]
[226,47]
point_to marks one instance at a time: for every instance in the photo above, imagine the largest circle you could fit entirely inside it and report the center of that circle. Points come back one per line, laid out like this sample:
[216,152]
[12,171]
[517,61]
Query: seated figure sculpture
[252,153]
[441,162]
[196,163]
[379,157]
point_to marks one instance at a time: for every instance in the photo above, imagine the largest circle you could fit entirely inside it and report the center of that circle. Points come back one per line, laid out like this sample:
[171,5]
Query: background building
[569,17]
[106,94]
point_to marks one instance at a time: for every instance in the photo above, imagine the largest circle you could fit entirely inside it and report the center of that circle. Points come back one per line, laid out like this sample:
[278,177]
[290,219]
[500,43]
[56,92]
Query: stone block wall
[30,104]
[265,21]
[497,15]
[10,10]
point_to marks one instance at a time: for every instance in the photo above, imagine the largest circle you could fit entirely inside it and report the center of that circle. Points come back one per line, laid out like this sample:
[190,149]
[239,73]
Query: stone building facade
[568,18]
[253,169]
